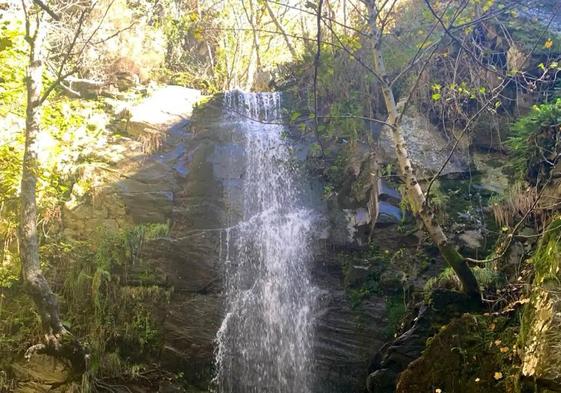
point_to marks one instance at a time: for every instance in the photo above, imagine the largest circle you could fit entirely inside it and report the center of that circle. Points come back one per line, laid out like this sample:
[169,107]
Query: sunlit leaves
[12,68]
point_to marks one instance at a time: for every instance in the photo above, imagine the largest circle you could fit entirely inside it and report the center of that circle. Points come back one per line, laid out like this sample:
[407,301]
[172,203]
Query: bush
[535,142]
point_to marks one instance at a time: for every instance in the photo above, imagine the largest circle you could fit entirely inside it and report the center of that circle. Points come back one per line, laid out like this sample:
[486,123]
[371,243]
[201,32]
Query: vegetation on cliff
[482,77]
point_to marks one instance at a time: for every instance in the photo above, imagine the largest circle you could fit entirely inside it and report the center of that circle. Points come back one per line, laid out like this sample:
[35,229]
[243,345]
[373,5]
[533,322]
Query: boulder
[162,109]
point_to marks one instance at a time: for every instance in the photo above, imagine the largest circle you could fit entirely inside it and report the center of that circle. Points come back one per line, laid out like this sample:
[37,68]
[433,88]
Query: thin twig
[316,71]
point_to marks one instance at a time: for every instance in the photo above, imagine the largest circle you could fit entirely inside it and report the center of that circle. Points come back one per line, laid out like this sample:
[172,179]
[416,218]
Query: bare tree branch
[47,9]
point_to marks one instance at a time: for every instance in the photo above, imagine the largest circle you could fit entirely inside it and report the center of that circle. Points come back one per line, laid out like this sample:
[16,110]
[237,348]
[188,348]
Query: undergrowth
[105,299]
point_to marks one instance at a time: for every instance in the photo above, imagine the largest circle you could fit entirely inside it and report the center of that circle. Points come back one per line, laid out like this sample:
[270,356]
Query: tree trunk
[33,277]
[254,59]
[414,191]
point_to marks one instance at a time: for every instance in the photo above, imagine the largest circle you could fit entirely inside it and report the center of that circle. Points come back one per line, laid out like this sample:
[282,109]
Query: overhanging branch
[47,9]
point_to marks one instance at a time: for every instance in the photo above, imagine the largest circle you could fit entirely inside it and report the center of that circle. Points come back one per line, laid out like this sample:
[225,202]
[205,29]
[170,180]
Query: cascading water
[265,341]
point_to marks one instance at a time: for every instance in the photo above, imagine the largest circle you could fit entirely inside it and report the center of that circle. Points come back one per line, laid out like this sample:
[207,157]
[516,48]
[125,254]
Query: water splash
[265,341]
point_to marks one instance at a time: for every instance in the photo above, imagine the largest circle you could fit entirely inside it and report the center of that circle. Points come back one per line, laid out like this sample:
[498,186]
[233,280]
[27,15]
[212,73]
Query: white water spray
[265,341]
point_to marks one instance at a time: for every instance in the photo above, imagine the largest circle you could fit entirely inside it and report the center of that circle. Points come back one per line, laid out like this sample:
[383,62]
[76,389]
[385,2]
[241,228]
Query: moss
[396,309]
[539,333]
[547,259]
[486,277]
[472,354]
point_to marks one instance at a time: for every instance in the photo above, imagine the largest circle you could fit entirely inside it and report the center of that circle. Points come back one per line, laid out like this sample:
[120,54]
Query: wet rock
[356,275]
[387,193]
[388,214]
[143,188]
[382,380]
[345,339]
[392,281]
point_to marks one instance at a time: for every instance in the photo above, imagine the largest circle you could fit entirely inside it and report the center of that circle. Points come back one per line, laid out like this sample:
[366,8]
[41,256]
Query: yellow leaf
[548,43]
[504,349]
[498,342]
[498,375]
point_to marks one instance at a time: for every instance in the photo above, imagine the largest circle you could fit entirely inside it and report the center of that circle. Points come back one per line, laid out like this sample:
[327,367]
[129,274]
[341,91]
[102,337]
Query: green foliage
[547,259]
[108,297]
[108,301]
[487,278]
[396,309]
[439,199]
[12,68]
[369,287]
[71,131]
[20,325]
[474,352]
[374,261]
[343,92]
[534,140]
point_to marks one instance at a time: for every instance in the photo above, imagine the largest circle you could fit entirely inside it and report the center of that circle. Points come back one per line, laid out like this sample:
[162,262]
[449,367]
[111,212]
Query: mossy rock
[540,336]
[472,354]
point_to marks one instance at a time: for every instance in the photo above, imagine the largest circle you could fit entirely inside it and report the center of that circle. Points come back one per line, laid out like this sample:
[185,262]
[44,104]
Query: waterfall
[265,341]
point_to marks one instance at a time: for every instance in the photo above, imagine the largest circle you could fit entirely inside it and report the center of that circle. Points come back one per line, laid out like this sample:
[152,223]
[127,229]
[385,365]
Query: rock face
[347,335]
[194,183]
[427,147]
[136,188]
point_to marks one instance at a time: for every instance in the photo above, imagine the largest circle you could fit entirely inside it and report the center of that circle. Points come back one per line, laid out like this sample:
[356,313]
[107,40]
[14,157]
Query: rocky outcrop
[427,147]
[193,182]
[471,354]
[395,357]
[128,186]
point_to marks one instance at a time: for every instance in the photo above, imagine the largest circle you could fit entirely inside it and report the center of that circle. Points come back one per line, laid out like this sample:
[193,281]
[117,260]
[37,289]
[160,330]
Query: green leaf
[311,5]
[5,43]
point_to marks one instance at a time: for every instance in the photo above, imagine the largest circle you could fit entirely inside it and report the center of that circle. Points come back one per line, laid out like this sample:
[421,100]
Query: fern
[534,141]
